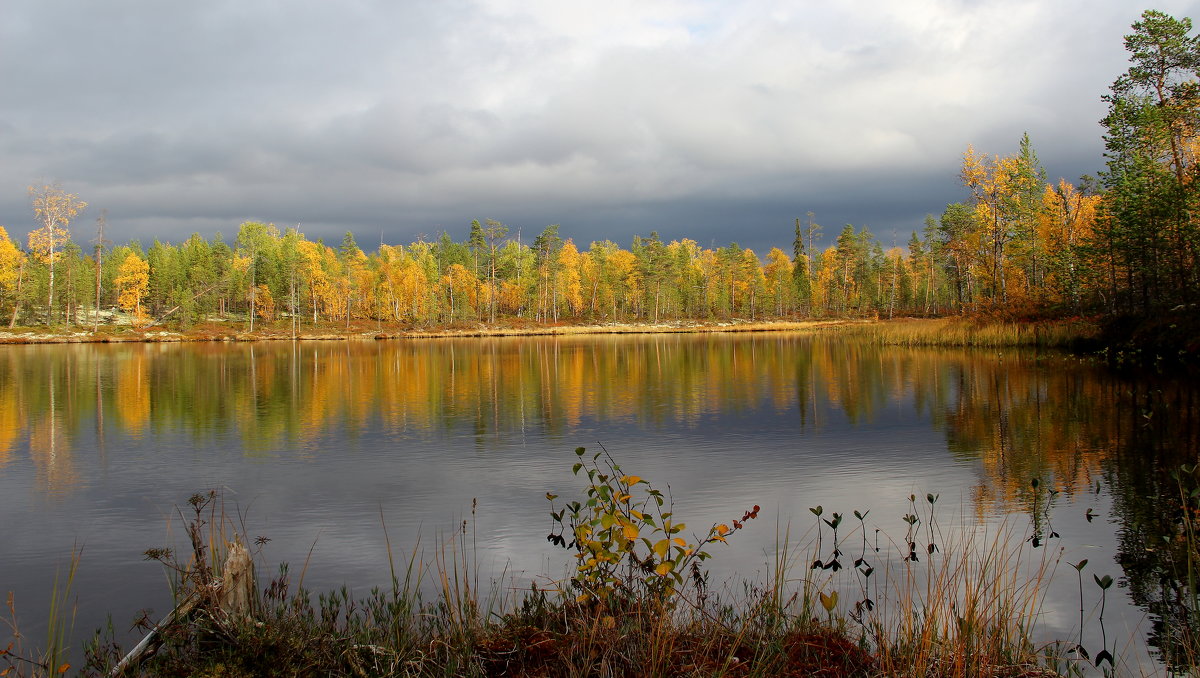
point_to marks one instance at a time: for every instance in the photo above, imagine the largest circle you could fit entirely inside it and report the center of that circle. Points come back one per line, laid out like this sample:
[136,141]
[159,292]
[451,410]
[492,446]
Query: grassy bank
[637,602]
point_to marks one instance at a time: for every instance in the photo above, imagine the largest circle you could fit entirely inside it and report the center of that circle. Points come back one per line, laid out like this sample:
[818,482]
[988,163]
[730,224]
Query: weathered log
[149,645]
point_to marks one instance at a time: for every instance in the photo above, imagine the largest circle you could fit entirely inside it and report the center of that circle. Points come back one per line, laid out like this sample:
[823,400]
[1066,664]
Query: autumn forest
[1018,244]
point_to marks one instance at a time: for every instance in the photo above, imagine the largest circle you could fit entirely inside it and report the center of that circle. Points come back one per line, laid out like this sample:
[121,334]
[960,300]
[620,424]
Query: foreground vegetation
[638,602]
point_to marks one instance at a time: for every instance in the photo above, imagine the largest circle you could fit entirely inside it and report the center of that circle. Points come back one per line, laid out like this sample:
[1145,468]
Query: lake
[321,447]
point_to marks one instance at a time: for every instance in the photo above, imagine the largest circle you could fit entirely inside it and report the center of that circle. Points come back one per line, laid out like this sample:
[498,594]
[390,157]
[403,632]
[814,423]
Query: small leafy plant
[625,536]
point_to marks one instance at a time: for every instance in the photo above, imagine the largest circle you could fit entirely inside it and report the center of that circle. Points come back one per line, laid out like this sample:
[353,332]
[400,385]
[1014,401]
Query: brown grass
[968,611]
[1062,333]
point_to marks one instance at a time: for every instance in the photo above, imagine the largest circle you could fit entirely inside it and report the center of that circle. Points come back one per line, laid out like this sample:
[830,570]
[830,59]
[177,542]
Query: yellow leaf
[679,542]
[664,568]
[63,668]
[722,529]
[660,549]
[631,480]
[631,531]
[636,514]
[582,598]
[717,537]
[829,601]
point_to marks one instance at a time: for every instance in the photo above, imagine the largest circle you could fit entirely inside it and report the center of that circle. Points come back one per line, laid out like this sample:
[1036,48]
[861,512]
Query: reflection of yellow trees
[51,453]
[48,444]
[1024,420]
[1015,418]
[10,419]
[133,391]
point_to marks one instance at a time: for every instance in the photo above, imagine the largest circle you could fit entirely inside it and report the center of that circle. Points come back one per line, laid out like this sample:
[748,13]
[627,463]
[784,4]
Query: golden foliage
[11,259]
[570,280]
[55,208]
[264,303]
[132,281]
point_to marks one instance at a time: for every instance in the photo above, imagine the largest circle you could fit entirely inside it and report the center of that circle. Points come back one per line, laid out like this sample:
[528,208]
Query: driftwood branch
[149,645]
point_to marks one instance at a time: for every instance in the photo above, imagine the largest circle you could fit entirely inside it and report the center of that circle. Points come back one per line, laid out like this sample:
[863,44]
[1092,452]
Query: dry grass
[1063,333]
[969,609]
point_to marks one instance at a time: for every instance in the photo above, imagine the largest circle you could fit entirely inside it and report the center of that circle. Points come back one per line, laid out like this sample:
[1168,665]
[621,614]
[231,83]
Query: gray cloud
[693,119]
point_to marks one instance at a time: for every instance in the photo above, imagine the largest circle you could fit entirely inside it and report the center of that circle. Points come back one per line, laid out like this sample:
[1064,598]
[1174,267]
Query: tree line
[1017,244]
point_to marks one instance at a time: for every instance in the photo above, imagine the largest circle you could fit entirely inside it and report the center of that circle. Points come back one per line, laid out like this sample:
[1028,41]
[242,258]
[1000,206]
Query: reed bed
[1063,333]
[972,612]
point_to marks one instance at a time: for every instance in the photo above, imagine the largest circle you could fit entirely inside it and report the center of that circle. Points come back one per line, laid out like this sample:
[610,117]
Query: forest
[1018,245]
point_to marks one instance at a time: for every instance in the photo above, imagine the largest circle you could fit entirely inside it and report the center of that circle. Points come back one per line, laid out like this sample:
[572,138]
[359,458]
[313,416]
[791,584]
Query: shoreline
[209,334]
[1087,335]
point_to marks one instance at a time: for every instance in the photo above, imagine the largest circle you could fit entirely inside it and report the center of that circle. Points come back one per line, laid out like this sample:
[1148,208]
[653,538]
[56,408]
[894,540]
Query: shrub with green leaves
[625,536]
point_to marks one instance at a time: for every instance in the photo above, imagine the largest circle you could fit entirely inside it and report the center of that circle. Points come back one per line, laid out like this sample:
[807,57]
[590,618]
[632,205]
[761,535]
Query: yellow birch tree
[569,280]
[54,208]
[11,261]
[132,282]
[778,273]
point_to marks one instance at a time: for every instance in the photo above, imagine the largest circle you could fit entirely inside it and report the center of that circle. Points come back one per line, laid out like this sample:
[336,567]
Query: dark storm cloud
[716,122]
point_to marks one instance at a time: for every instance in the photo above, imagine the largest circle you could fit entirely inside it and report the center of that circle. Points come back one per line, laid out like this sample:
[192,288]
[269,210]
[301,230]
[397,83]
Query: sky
[717,121]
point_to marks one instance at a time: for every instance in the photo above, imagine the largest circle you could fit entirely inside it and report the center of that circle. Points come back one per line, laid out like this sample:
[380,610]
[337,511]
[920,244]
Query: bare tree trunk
[17,301]
[99,265]
[50,294]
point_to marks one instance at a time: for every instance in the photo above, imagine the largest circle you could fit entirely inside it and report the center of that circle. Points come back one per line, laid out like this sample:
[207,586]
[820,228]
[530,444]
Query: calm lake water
[318,445]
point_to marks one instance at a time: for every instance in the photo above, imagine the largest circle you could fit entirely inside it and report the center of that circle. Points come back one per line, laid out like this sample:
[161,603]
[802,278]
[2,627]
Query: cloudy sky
[719,121]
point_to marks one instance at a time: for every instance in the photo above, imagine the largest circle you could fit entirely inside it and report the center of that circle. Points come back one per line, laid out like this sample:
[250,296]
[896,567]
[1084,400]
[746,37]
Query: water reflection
[1019,415]
[69,413]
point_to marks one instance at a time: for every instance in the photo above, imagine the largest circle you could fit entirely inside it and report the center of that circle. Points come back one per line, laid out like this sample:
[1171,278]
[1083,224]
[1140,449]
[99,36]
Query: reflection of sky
[334,494]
